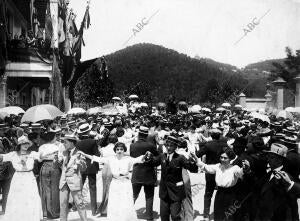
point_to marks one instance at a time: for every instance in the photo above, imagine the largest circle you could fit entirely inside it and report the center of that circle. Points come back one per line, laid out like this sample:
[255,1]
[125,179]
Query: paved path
[197,181]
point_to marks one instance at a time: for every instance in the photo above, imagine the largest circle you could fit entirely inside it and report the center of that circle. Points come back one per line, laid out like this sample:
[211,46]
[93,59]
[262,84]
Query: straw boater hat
[278,149]
[55,130]
[84,128]
[70,136]
[290,141]
[36,126]
[143,130]
[24,125]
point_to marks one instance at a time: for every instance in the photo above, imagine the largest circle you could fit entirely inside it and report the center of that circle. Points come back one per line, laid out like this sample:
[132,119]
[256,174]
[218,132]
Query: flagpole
[75,51]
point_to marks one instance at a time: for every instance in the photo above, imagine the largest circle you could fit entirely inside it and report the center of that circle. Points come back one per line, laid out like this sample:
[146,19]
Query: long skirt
[106,180]
[23,202]
[49,189]
[120,204]
[226,204]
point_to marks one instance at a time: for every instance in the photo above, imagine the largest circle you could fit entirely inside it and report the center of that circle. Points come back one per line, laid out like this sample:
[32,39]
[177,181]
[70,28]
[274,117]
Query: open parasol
[12,110]
[284,114]
[41,112]
[93,110]
[116,99]
[133,96]
[220,109]
[226,105]
[195,109]
[76,110]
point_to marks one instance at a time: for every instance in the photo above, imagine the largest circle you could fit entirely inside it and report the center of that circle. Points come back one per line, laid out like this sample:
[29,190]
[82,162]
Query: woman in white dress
[23,201]
[120,203]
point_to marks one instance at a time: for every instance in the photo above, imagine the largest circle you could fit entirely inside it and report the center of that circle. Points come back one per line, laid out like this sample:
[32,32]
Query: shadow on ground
[141,213]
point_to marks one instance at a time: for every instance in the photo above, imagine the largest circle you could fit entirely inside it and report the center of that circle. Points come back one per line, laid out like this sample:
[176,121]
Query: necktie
[68,157]
[168,158]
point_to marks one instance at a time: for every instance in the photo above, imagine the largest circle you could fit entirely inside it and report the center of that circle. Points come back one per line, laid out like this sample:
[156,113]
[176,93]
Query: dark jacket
[212,149]
[89,146]
[6,168]
[143,173]
[171,184]
[274,203]
[295,190]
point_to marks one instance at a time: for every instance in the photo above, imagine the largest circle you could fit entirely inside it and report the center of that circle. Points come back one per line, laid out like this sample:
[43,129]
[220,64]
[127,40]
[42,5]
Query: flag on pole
[78,42]
[85,24]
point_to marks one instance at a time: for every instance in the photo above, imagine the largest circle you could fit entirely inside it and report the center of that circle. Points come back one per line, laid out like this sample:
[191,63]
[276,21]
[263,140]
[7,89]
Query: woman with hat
[50,173]
[23,201]
[120,203]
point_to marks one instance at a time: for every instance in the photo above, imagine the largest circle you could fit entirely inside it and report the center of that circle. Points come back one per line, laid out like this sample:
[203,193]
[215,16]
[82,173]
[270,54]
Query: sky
[237,32]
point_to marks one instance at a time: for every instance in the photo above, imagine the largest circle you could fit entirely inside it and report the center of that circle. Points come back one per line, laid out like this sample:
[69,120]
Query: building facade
[27,79]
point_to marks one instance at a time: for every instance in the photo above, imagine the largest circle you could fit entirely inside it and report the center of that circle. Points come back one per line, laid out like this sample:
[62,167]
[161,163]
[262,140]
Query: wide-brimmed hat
[83,128]
[23,140]
[278,149]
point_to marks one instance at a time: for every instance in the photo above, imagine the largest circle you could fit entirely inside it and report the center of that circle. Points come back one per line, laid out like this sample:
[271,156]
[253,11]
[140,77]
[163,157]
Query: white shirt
[225,176]
[170,156]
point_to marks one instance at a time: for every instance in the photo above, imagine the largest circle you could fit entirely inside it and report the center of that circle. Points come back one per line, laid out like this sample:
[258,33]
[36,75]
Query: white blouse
[118,166]
[21,162]
[225,176]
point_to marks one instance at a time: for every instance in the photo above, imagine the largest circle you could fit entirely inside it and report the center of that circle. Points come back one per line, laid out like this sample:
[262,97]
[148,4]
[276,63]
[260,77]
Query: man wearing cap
[89,146]
[71,179]
[171,187]
[274,203]
[212,150]
[143,175]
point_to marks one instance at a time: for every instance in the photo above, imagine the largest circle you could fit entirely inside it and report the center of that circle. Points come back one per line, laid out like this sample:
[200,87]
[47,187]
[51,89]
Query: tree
[289,70]
[94,86]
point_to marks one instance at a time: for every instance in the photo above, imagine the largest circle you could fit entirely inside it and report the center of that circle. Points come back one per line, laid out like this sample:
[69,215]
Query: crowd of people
[253,164]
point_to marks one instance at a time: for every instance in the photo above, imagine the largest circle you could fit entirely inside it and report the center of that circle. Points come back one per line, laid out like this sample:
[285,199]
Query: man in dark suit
[171,187]
[292,187]
[89,146]
[6,168]
[144,175]
[211,150]
[274,203]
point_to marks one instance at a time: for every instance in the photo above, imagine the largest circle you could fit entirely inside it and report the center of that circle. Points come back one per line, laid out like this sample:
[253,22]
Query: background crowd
[253,162]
